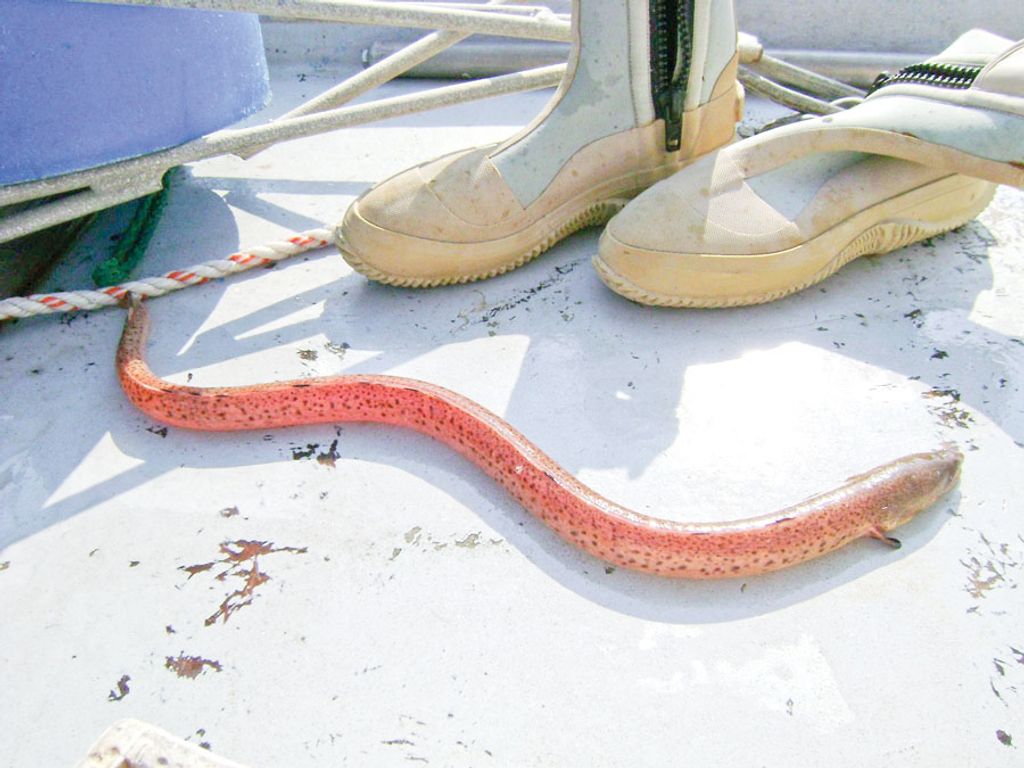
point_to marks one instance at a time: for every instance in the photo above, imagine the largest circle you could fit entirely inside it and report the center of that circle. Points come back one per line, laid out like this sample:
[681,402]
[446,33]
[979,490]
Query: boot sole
[595,214]
[716,281]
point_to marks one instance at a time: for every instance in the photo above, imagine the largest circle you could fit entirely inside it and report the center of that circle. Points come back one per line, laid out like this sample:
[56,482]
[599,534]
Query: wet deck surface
[350,594]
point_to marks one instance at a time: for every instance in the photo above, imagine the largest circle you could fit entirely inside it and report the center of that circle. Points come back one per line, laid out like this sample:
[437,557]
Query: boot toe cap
[707,208]
[686,235]
[425,225]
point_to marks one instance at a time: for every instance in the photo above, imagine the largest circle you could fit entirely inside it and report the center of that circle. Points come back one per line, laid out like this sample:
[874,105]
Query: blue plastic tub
[82,85]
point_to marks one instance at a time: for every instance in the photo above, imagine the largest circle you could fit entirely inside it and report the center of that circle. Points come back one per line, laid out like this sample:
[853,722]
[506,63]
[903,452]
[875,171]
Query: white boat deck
[356,595]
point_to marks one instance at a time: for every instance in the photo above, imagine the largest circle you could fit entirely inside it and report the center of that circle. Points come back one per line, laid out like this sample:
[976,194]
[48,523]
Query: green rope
[134,240]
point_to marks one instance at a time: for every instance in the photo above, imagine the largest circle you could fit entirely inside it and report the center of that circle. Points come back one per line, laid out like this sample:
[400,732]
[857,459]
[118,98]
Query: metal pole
[805,80]
[379,73]
[787,97]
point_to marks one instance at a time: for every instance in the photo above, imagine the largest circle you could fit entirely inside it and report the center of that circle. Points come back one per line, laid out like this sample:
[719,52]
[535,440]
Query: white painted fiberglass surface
[357,595]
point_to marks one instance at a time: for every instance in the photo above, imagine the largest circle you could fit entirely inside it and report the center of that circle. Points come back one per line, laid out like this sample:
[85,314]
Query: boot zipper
[958,76]
[671,34]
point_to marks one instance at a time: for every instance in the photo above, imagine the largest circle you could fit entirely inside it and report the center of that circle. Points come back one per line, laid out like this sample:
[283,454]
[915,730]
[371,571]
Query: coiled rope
[71,301]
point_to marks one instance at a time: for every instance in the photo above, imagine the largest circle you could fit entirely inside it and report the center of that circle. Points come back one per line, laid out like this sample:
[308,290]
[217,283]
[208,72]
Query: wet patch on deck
[327,457]
[547,290]
[418,540]
[946,407]
[120,689]
[992,566]
[1007,678]
[190,667]
[199,739]
[414,736]
[242,560]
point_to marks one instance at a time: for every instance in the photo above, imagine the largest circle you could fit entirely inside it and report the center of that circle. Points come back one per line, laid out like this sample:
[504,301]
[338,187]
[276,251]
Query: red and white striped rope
[70,301]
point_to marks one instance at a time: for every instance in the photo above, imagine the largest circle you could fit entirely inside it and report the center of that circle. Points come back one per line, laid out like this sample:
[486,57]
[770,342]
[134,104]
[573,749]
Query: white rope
[70,301]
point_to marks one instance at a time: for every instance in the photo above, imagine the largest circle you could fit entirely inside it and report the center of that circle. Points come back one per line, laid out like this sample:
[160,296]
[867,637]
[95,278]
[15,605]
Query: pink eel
[870,504]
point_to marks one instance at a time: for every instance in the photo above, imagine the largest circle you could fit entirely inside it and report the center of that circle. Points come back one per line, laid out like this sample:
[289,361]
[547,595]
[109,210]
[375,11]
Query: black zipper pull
[672,111]
[671,36]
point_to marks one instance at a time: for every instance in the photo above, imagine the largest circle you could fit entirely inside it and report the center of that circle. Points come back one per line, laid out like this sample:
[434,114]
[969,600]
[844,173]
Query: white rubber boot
[783,210]
[651,85]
